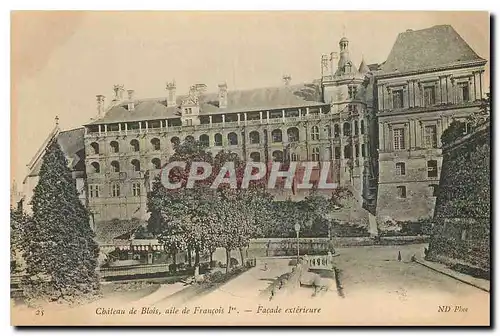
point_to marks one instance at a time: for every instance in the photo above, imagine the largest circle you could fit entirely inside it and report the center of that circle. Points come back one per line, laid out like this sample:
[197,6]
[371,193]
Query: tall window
[115,148]
[156,163]
[254,137]
[348,152]
[432,168]
[232,139]
[399,138]
[356,127]
[204,140]
[347,129]
[330,153]
[401,191]
[362,126]
[115,166]
[136,164]
[434,189]
[352,90]
[155,142]
[189,122]
[136,189]
[293,134]
[277,135]
[115,190]
[315,154]
[134,144]
[397,99]
[356,150]
[295,157]
[315,133]
[95,147]
[218,139]
[429,95]
[463,92]
[94,190]
[430,136]
[328,131]
[337,153]
[363,150]
[400,168]
[336,130]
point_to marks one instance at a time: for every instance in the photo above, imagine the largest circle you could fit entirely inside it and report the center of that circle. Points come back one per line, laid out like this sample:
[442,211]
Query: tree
[18,223]
[61,256]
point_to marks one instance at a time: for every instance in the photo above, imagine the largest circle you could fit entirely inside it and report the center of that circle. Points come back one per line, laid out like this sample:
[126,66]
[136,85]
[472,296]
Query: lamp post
[297,230]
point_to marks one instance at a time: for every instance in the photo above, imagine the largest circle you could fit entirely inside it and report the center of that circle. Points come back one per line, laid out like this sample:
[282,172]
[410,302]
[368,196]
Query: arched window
[96,167]
[205,140]
[155,142]
[189,138]
[175,141]
[136,164]
[293,134]
[336,130]
[115,166]
[255,156]
[315,133]
[328,131]
[115,147]
[254,137]
[347,129]
[278,156]
[218,139]
[315,154]
[356,127]
[348,152]
[95,147]
[156,163]
[362,126]
[134,144]
[277,135]
[232,138]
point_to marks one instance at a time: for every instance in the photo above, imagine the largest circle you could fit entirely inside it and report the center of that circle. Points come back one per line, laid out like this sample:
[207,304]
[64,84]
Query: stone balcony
[214,126]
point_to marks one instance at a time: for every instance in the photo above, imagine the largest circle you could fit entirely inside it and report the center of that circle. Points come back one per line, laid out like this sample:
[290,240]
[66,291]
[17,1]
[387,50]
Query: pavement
[482,284]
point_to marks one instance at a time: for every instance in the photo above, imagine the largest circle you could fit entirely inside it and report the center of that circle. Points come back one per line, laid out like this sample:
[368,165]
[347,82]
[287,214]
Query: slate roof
[106,232]
[363,68]
[300,95]
[428,48]
[72,144]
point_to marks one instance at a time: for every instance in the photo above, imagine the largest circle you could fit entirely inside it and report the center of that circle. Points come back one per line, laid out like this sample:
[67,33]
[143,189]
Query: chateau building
[431,77]
[378,125]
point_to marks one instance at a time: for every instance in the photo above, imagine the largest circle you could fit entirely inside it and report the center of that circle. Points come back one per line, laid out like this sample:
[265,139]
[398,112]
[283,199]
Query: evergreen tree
[61,257]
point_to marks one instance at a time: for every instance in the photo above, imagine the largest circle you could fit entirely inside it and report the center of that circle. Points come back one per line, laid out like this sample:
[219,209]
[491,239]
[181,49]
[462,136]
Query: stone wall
[462,215]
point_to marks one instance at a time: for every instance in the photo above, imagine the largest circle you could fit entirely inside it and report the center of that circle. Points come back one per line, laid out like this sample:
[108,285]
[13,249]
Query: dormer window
[188,110]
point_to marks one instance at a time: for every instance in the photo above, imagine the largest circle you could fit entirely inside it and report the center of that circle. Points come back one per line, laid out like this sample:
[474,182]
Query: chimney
[334,56]
[100,106]
[118,89]
[171,98]
[287,79]
[223,95]
[131,104]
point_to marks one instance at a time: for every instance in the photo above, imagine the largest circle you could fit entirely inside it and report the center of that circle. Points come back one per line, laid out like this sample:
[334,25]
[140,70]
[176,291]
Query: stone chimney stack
[118,90]
[171,98]
[100,105]
[223,95]
[131,103]
[334,57]
[287,79]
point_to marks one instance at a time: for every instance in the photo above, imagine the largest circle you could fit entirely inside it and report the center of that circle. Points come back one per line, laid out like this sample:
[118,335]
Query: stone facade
[414,107]
[379,125]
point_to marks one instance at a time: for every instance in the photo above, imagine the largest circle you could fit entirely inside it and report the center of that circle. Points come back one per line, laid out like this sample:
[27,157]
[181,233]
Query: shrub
[233,262]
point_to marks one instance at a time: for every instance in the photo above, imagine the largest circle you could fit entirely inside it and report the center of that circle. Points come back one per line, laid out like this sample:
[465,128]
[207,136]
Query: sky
[61,60]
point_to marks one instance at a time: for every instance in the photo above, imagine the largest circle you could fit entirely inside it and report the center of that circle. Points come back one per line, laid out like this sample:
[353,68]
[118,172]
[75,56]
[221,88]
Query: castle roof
[363,68]
[72,145]
[429,48]
[260,99]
